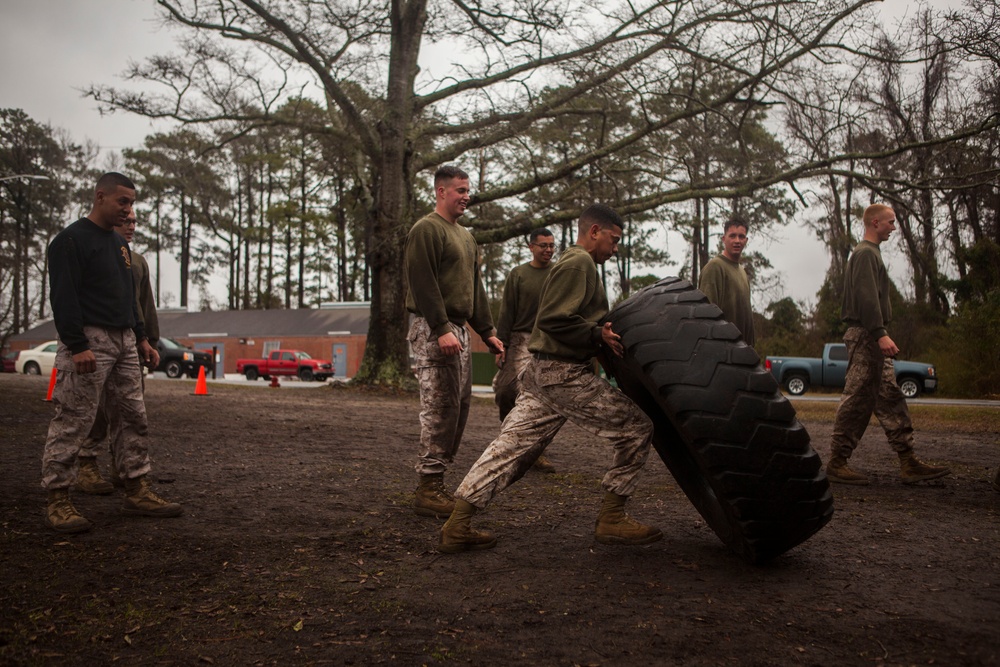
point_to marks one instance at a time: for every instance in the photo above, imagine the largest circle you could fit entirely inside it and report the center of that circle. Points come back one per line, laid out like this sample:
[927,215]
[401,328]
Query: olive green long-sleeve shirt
[725,283]
[866,290]
[521,294]
[443,277]
[144,301]
[572,305]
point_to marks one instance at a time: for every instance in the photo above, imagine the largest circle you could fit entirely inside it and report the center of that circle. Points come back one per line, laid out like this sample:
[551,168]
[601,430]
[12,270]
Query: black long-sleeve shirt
[90,283]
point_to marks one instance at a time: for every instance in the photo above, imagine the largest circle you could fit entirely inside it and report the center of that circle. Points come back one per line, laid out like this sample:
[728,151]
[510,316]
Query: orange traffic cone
[201,387]
[52,384]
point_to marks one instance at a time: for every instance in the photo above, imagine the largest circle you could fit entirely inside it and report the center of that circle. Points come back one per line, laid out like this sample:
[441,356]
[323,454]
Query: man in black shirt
[101,340]
[89,479]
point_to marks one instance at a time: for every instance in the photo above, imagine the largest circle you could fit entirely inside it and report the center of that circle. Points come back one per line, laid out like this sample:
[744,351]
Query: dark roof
[341,319]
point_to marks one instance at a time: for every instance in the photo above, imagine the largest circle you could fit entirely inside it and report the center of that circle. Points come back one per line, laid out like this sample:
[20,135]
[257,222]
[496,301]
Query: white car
[38,360]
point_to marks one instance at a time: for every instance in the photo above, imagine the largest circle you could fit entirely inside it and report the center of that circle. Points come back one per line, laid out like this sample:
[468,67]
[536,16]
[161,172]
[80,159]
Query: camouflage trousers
[445,395]
[506,383]
[870,387]
[553,392]
[104,430]
[77,397]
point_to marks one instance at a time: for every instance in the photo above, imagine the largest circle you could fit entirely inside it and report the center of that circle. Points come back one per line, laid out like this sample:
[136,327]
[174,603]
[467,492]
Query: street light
[33,177]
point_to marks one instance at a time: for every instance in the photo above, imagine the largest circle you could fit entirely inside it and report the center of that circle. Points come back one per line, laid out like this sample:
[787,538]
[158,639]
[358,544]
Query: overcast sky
[51,49]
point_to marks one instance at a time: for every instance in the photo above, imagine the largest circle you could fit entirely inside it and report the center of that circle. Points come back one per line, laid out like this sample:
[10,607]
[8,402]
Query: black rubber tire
[251,373]
[909,386]
[728,436]
[796,384]
[306,374]
[173,369]
[31,368]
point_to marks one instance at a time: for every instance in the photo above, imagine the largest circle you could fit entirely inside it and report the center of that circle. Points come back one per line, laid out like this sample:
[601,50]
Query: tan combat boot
[89,479]
[543,464]
[458,535]
[614,526]
[61,516]
[838,471]
[913,470]
[140,499]
[431,498]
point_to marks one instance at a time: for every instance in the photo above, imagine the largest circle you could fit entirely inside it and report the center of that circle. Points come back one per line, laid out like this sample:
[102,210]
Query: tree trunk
[247,238]
[288,263]
[341,222]
[158,245]
[20,254]
[185,250]
[386,359]
[303,201]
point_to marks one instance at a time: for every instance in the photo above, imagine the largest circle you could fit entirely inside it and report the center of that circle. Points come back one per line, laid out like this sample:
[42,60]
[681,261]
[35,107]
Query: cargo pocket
[567,384]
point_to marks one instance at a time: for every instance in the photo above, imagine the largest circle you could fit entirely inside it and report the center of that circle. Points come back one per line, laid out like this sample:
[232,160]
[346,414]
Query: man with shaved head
[870,385]
[101,343]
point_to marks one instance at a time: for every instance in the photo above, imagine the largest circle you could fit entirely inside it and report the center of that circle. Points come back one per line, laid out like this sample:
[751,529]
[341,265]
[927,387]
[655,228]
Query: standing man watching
[101,341]
[521,293]
[444,291]
[559,384]
[89,479]
[871,381]
[724,280]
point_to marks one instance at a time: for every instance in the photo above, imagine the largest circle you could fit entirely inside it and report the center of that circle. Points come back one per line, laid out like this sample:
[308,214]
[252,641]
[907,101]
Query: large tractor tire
[728,436]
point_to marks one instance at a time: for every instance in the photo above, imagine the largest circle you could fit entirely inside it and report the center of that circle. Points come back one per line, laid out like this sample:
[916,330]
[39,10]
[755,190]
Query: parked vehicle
[8,362]
[797,374]
[38,360]
[287,363]
[176,359]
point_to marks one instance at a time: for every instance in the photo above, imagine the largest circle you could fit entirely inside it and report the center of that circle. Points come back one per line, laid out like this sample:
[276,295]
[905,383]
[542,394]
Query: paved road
[913,401]
[236,378]
[487,391]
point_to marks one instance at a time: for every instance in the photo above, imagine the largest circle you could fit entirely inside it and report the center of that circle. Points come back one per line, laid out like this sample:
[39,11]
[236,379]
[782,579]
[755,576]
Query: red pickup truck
[286,362]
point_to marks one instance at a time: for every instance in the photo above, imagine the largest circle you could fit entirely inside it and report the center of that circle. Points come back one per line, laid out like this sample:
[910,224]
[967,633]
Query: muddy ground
[298,546]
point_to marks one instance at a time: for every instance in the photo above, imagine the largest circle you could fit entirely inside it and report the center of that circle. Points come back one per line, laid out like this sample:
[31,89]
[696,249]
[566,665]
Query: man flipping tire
[559,384]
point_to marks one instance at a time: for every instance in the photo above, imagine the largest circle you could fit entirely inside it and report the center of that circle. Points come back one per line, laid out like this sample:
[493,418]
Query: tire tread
[722,427]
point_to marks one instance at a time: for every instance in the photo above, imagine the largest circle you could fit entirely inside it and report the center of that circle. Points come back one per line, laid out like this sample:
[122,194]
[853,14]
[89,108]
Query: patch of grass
[961,418]
[957,418]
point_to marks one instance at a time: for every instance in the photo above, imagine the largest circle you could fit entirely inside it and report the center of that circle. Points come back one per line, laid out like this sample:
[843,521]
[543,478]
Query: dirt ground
[298,546]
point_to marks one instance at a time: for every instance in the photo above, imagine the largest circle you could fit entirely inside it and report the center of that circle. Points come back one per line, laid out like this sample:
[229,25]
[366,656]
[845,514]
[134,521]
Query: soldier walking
[871,380]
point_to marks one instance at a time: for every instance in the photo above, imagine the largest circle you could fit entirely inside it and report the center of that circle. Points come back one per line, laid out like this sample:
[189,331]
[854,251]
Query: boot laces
[63,509]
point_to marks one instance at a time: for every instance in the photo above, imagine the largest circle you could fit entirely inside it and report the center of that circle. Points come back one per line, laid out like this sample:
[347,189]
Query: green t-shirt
[725,283]
[521,294]
[443,277]
[866,290]
[572,304]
